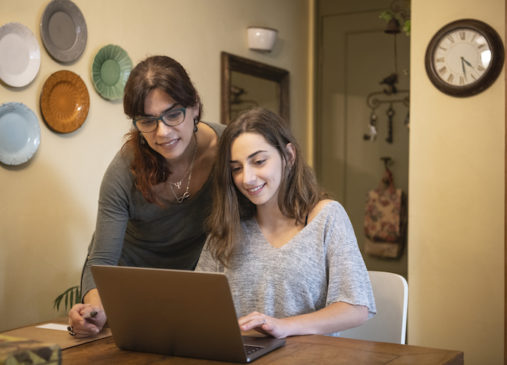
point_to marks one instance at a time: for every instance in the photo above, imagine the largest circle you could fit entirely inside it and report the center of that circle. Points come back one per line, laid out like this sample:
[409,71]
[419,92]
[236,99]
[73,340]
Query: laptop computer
[176,312]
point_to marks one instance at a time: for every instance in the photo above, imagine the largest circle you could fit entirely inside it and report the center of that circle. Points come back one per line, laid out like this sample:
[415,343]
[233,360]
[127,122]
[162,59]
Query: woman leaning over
[156,192]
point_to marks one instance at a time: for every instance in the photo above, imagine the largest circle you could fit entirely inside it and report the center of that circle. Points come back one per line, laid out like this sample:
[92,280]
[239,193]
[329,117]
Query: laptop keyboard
[249,349]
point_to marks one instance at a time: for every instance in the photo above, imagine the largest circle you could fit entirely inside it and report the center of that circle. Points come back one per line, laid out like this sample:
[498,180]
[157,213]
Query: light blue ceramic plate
[19,133]
[110,70]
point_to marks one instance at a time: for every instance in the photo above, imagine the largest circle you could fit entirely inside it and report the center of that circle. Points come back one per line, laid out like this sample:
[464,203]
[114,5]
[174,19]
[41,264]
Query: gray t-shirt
[133,232]
[321,265]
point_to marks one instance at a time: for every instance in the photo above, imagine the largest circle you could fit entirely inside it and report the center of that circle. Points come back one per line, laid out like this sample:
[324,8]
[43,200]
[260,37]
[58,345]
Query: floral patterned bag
[385,219]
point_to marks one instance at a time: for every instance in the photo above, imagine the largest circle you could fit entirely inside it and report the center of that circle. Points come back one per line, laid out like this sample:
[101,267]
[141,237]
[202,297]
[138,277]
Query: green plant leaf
[57,302]
[69,297]
[406,27]
[386,15]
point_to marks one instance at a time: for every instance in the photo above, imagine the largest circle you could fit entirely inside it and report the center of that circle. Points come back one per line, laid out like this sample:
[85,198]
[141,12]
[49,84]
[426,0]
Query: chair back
[391,299]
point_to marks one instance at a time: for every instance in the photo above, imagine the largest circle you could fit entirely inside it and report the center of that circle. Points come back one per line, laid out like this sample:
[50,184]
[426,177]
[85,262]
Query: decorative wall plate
[110,71]
[19,55]
[19,133]
[64,101]
[63,30]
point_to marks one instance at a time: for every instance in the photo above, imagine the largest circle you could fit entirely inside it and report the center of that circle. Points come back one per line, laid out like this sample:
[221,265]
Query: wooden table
[305,350]
[321,350]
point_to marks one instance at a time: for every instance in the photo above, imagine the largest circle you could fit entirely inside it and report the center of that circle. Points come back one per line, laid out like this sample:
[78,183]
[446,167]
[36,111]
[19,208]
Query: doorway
[355,57]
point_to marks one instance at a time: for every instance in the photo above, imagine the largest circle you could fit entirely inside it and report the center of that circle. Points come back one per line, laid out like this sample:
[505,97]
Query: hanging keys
[372,126]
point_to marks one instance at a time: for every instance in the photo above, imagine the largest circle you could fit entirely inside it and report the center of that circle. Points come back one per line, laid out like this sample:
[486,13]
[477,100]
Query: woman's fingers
[263,324]
[252,321]
[85,320]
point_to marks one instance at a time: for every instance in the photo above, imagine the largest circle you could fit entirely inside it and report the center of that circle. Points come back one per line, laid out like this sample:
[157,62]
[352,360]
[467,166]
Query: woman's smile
[169,144]
[255,190]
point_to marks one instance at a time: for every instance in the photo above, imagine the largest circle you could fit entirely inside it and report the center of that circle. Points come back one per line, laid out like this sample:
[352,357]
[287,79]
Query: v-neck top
[320,265]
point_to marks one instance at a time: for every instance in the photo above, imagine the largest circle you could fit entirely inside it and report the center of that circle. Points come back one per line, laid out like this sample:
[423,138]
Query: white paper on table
[53,326]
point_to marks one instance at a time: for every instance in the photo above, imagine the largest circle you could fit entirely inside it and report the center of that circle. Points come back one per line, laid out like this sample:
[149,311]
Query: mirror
[247,83]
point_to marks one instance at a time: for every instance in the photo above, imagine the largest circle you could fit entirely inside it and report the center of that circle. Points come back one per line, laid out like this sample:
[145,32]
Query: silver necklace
[186,194]
[177,184]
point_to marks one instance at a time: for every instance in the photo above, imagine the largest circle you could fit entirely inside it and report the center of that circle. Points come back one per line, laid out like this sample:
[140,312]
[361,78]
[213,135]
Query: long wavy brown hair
[298,192]
[156,72]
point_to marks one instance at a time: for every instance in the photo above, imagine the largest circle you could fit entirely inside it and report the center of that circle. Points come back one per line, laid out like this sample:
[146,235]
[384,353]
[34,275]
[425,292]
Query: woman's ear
[195,111]
[291,151]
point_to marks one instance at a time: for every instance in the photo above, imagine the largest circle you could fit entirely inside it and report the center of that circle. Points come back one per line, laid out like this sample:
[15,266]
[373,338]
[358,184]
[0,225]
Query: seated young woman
[290,254]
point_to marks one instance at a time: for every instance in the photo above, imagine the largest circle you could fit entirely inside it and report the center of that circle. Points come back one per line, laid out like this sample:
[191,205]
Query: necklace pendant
[186,194]
[183,197]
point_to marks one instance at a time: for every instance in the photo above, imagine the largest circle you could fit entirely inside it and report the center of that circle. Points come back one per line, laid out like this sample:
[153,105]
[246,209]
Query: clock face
[464,57]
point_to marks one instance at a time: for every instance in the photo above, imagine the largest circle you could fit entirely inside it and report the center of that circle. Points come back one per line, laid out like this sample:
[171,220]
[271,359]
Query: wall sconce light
[261,38]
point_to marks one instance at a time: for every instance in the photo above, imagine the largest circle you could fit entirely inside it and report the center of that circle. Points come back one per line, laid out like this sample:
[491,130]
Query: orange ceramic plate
[64,101]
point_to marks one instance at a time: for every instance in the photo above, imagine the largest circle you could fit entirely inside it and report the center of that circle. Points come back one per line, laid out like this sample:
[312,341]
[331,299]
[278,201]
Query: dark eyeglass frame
[160,118]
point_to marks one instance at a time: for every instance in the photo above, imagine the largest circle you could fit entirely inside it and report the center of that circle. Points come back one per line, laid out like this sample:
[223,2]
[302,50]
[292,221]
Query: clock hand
[463,66]
[473,71]
[468,63]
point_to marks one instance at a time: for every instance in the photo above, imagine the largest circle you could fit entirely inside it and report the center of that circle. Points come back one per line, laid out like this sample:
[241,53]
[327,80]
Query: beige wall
[48,208]
[456,213]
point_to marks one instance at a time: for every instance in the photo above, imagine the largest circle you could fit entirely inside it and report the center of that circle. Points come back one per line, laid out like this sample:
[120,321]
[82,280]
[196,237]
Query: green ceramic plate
[110,71]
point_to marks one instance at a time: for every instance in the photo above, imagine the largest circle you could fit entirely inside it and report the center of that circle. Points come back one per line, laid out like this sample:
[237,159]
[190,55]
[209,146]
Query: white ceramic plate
[19,55]
[19,133]
[63,30]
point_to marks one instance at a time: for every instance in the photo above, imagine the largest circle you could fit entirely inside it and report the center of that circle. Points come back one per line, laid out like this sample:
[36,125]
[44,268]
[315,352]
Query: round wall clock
[464,57]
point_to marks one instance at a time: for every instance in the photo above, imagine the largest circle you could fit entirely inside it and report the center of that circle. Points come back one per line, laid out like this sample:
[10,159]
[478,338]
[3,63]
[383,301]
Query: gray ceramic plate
[19,133]
[63,30]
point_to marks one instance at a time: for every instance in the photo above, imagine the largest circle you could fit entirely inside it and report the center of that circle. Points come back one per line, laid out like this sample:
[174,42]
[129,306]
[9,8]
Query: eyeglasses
[170,117]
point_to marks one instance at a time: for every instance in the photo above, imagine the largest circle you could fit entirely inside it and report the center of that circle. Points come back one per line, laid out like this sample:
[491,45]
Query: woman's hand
[86,320]
[264,324]
[335,317]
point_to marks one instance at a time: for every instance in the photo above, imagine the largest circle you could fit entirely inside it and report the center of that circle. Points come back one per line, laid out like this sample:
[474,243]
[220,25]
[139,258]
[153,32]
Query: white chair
[390,322]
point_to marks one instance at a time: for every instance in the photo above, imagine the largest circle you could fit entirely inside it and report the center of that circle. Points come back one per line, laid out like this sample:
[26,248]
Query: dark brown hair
[298,192]
[156,72]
